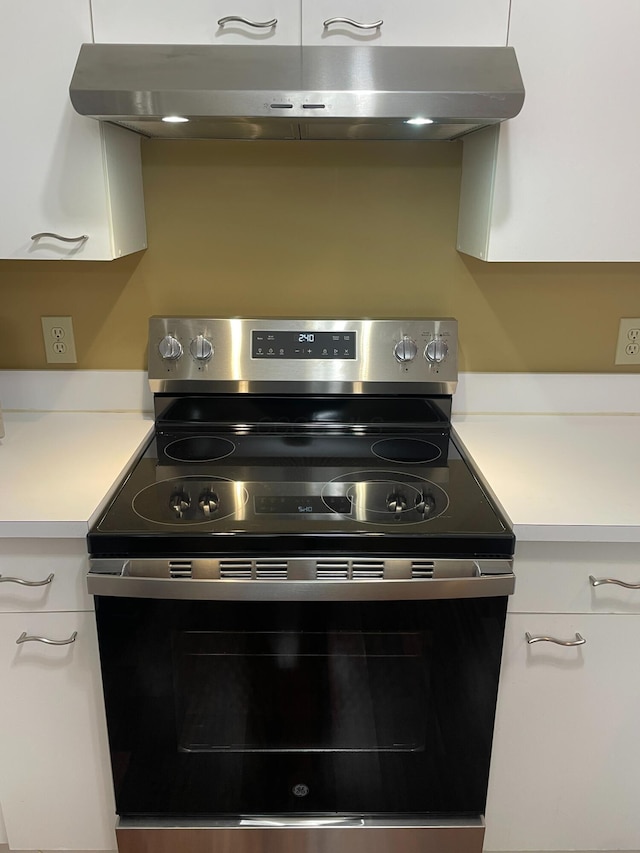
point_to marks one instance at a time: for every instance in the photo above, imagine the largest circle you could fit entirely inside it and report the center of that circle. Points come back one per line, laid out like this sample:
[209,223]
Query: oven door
[300,709]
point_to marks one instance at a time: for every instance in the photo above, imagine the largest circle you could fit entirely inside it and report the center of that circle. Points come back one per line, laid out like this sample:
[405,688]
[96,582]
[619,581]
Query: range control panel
[272,344]
[300,356]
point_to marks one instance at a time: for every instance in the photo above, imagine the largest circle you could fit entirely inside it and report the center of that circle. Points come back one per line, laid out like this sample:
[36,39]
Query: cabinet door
[60,172]
[55,785]
[564,772]
[196,21]
[405,22]
[561,181]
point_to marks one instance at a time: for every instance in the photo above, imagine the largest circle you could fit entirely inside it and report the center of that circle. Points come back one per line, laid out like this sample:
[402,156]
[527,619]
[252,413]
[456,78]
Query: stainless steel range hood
[270,92]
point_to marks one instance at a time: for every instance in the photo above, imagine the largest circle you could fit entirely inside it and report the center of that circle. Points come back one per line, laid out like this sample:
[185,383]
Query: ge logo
[300,790]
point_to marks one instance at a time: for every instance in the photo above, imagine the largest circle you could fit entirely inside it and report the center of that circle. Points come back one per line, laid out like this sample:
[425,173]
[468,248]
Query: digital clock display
[303,345]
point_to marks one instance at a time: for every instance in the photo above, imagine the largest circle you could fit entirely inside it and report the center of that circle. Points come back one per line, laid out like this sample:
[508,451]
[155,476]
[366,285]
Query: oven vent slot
[271,569]
[422,568]
[332,570]
[367,569]
[235,568]
[180,568]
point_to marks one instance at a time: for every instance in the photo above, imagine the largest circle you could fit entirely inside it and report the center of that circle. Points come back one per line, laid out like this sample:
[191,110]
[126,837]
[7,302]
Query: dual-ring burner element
[190,500]
[376,497]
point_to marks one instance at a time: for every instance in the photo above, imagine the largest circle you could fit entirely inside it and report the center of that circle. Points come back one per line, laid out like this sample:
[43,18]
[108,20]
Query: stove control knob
[208,503]
[405,350]
[201,348]
[396,503]
[436,351]
[170,348]
[179,503]
[425,504]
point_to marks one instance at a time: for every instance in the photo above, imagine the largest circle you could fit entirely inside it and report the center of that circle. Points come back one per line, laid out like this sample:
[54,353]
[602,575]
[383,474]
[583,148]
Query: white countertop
[58,468]
[557,477]
[573,478]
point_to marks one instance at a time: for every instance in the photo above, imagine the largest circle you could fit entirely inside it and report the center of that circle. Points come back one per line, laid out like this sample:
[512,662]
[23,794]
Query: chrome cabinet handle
[24,638]
[27,583]
[579,640]
[81,239]
[615,581]
[240,20]
[375,25]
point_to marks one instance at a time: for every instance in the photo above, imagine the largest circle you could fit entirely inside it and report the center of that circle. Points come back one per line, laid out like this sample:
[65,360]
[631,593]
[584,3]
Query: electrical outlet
[628,348]
[59,345]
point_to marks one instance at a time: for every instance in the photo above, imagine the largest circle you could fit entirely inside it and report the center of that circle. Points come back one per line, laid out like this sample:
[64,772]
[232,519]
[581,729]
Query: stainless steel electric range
[301,590]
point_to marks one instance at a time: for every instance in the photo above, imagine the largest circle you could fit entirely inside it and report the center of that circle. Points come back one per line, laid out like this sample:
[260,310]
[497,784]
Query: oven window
[224,709]
[285,691]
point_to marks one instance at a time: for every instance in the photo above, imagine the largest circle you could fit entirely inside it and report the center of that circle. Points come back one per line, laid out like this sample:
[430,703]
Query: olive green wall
[361,229]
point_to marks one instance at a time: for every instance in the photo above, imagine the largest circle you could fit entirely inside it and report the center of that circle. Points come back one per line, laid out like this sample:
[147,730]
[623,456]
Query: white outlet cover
[628,347]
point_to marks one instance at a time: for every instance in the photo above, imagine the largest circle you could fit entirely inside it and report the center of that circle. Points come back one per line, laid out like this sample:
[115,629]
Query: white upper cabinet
[561,181]
[405,22]
[197,21]
[60,174]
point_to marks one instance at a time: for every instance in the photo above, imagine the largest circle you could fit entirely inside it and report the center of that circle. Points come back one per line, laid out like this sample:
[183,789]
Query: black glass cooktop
[286,491]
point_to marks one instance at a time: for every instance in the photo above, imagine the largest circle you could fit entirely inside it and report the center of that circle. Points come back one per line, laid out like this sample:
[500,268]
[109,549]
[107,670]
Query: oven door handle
[300,822]
[120,584]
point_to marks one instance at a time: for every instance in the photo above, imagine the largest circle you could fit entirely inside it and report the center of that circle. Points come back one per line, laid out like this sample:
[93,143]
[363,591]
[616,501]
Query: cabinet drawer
[33,561]
[555,578]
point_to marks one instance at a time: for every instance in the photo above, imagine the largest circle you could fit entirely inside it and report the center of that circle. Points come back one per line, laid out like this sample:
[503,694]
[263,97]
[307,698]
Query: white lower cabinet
[55,784]
[565,770]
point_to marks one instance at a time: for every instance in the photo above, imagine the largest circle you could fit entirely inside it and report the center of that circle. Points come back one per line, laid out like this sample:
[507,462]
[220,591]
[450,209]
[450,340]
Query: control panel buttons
[405,350]
[436,351]
[170,348]
[201,348]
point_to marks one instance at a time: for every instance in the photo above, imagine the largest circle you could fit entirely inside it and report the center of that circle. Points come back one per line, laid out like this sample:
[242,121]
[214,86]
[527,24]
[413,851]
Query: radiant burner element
[204,448]
[406,451]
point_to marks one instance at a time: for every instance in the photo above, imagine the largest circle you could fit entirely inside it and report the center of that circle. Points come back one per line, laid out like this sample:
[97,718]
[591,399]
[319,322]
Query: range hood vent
[271,92]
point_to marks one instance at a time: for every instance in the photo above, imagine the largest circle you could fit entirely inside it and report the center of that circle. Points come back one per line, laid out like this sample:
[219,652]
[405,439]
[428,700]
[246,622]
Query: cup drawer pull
[24,638]
[238,19]
[23,582]
[374,25]
[81,239]
[579,640]
[614,581]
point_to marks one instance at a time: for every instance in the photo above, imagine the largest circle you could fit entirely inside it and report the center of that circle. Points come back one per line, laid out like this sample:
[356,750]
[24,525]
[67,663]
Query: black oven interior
[300,708]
